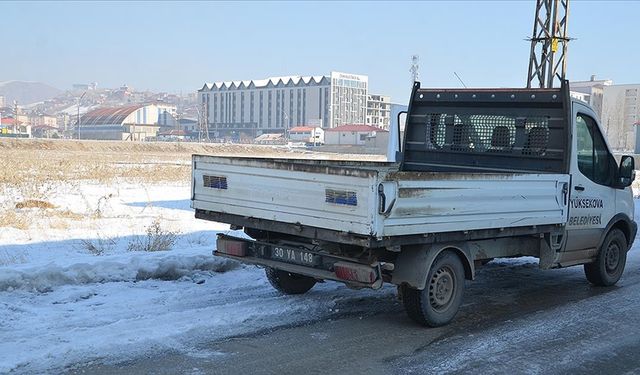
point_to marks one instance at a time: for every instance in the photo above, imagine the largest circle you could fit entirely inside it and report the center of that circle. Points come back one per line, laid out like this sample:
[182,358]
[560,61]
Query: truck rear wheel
[438,303]
[289,282]
[609,265]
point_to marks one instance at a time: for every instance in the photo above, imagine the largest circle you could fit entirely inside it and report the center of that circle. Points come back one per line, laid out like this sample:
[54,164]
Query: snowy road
[63,309]
[517,319]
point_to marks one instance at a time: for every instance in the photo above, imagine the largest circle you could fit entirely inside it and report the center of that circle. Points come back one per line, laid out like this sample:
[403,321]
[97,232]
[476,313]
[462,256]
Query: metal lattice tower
[415,74]
[548,59]
[203,123]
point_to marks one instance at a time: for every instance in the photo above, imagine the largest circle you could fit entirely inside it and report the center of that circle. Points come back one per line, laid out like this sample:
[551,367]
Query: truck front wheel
[609,265]
[289,282]
[439,301]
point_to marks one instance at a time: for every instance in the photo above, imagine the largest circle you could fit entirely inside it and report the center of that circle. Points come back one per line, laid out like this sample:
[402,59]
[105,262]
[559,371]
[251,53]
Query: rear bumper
[288,228]
[260,253]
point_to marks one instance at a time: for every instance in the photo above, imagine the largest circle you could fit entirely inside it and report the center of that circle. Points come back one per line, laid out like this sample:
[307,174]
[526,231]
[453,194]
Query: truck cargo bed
[324,194]
[374,199]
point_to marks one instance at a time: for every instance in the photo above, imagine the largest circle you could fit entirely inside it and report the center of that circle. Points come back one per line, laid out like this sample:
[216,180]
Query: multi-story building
[349,94]
[621,116]
[276,104]
[592,90]
[63,121]
[43,120]
[618,108]
[378,111]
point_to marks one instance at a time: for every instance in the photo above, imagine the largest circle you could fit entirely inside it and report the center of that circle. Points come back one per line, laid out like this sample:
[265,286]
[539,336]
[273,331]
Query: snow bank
[135,268]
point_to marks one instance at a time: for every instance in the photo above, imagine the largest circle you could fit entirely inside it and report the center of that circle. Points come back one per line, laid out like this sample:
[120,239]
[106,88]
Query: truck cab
[601,199]
[477,174]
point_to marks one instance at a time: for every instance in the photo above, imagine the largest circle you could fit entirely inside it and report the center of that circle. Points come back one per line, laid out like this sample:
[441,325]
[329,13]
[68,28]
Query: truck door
[592,195]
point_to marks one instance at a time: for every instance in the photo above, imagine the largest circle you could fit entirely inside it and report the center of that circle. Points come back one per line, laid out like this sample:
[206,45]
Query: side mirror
[626,171]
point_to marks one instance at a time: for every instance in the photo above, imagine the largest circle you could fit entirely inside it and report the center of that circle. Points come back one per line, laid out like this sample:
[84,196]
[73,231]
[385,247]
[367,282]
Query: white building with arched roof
[130,123]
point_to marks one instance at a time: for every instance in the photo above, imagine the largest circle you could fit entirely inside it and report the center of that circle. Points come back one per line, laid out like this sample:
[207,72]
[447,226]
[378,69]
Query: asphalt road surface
[515,319]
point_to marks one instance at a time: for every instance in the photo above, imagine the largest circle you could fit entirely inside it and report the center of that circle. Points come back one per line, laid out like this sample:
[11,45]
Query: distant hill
[26,92]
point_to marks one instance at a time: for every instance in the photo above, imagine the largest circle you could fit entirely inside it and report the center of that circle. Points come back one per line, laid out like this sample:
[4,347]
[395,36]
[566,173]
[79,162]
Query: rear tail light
[232,247]
[355,272]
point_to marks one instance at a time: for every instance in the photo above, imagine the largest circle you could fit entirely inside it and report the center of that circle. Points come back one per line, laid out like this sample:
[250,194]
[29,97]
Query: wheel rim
[612,257]
[441,288]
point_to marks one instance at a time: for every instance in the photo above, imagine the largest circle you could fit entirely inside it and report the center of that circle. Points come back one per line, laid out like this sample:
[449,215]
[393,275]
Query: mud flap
[413,263]
[550,246]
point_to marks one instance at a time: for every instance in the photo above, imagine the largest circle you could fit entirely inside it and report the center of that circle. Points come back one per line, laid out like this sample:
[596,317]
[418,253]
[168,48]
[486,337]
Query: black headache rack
[487,130]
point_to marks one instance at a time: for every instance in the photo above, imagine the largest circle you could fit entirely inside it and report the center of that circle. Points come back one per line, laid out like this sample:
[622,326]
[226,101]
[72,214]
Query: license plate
[294,256]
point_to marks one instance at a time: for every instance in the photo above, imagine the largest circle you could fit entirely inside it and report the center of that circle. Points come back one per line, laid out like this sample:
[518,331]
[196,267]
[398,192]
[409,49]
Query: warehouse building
[276,104]
[130,123]
[355,135]
[307,134]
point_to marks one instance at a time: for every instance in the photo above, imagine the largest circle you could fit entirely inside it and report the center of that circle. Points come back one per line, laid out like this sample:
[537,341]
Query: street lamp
[286,129]
[78,119]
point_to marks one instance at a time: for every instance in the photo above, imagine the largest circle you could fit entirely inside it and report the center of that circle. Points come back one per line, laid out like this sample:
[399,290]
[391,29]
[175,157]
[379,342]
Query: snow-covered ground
[71,291]
[62,302]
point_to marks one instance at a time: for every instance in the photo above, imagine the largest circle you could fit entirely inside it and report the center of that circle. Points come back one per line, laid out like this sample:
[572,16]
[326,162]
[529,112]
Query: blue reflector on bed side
[347,198]
[214,182]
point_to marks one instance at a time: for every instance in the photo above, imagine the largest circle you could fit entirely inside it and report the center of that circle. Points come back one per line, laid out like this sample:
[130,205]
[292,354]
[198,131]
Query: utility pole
[178,118]
[78,118]
[549,42]
[200,121]
[15,117]
[415,66]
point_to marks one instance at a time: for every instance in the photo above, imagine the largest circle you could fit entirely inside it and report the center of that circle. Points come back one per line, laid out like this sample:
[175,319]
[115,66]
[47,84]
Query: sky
[177,46]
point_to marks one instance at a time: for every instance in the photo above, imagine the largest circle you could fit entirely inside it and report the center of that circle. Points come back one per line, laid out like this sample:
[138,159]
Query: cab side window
[594,160]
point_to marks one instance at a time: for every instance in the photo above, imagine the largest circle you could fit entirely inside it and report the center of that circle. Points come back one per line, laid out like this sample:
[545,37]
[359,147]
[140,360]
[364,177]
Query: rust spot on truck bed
[426,176]
[413,193]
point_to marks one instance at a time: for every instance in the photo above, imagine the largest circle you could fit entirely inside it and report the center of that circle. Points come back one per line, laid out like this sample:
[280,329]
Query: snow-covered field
[63,302]
[76,287]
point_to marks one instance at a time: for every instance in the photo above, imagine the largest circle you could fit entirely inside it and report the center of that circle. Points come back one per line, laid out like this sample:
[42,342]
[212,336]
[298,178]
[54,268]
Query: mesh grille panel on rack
[486,133]
[467,141]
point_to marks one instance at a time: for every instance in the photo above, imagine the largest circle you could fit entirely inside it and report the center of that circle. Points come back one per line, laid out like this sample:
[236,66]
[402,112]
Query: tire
[288,282]
[612,257]
[438,303]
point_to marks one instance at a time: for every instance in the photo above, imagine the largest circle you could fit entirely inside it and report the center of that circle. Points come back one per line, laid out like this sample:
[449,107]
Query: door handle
[579,187]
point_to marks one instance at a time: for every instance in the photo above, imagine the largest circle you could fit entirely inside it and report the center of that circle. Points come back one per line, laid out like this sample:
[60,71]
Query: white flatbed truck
[481,174]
